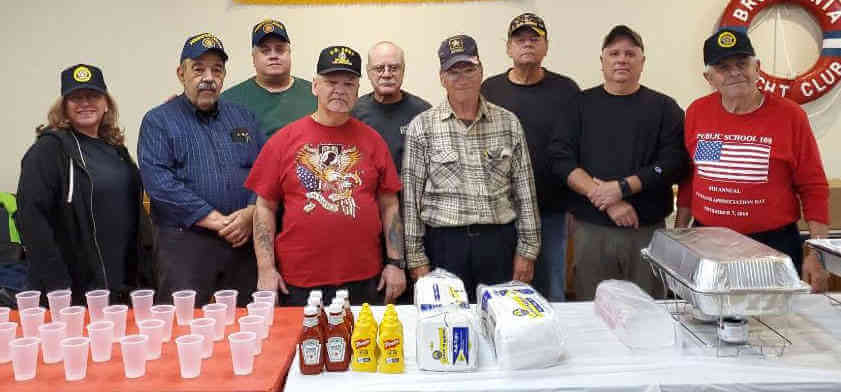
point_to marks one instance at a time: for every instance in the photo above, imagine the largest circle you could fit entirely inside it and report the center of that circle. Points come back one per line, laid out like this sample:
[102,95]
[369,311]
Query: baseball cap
[527,20]
[339,58]
[266,28]
[199,44]
[726,43]
[82,76]
[456,49]
[622,31]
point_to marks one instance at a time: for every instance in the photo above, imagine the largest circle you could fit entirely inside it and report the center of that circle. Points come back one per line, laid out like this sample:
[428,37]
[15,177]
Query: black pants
[475,253]
[786,239]
[200,260]
[360,292]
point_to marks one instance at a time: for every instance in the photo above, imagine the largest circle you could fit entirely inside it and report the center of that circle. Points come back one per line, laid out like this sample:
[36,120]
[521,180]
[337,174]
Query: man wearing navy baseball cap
[338,185]
[755,161]
[275,96]
[195,152]
[468,188]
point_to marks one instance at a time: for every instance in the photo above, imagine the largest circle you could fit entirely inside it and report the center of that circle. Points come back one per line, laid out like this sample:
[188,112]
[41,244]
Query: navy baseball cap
[199,44]
[457,49]
[82,76]
[339,58]
[266,28]
[726,43]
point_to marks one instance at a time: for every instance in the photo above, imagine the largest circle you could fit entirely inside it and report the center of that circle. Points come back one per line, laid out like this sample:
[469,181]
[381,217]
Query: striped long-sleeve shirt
[193,162]
[457,175]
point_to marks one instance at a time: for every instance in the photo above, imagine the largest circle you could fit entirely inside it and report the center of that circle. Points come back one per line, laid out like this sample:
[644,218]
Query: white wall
[137,44]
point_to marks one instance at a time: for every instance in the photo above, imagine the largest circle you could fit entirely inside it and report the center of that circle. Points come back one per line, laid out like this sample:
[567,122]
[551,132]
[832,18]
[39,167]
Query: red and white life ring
[826,72]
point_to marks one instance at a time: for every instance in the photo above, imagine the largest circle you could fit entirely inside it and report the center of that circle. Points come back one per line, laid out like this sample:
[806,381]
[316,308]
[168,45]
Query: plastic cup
[24,354]
[133,349]
[58,300]
[51,336]
[74,317]
[97,300]
[101,334]
[257,325]
[190,349]
[117,315]
[8,330]
[141,303]
[267,296]
[229,298]
[28,299]
[185,304]
[4,314]
[218,312]
[165,313]
[262,309]
[75,351]
[154,329]
[242,352]
[205,327]
[30,320]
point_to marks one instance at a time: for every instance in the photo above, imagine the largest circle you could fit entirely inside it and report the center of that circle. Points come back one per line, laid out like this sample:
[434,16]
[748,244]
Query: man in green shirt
[275,96]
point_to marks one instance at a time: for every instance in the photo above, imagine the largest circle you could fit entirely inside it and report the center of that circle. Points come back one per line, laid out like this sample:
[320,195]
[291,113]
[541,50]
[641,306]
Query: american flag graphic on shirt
[733,162]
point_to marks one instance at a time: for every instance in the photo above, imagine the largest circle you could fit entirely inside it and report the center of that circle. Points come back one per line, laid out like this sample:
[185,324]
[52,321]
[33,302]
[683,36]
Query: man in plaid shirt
[469,193]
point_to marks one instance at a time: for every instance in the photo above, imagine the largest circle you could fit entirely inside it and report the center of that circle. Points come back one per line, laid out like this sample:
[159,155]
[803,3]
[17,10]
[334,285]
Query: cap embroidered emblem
[268,28]
[726,40]
[81,74]
[341,56]
[456,45]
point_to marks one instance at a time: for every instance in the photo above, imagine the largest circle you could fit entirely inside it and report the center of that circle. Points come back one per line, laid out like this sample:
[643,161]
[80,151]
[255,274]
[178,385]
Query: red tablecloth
[163,374]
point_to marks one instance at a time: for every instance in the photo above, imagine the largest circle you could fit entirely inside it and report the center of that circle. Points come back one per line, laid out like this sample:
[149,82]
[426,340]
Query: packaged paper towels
[521,325]
[447,330]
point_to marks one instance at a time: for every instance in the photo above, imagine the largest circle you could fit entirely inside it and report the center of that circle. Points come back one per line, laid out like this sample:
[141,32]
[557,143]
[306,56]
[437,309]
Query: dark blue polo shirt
[193,162]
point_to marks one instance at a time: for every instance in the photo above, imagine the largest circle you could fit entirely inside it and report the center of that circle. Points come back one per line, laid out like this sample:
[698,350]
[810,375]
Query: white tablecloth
[596,360]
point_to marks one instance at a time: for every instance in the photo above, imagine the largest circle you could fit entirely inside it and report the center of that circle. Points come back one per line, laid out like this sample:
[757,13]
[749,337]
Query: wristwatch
[399,263]
[624,187]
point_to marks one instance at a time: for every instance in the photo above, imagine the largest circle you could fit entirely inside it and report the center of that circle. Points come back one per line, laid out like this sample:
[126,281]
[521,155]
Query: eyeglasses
[467,72]
[380,69]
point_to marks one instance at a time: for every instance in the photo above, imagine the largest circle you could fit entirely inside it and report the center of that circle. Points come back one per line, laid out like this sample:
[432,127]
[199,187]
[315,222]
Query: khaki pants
[603,252]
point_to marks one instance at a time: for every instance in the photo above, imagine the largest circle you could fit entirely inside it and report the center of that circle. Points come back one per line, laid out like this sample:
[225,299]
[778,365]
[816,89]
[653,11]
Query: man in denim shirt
[195,153]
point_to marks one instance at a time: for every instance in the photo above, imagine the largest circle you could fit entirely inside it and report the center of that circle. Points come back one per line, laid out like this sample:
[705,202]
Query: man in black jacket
[620,150]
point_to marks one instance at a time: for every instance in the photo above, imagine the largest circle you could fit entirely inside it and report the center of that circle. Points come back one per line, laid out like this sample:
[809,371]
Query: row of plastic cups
[23,353]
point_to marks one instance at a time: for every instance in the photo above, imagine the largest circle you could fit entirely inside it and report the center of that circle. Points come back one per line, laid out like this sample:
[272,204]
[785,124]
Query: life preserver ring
[826,72]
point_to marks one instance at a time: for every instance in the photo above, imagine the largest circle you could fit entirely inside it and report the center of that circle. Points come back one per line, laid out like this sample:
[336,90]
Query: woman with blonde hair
[80,197]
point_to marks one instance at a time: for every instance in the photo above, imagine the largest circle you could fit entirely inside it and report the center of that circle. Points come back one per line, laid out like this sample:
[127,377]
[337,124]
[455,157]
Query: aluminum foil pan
[829,250]
[724,273]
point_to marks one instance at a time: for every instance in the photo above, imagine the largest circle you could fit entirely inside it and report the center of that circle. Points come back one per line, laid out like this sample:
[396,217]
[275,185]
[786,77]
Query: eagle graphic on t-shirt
[325,172]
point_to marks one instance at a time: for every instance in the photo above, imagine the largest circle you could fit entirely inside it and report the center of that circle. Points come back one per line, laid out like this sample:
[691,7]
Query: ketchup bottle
[322,321]
[323,318]
[311,344]
[337,340]
[345,296]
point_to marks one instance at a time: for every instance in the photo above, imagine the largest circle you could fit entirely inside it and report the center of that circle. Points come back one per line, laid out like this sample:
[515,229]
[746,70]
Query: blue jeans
[550,271]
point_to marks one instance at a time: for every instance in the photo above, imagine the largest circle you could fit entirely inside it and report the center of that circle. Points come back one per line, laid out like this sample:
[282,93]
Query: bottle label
[311,349]
[311,321]
[336,349]
[336,319]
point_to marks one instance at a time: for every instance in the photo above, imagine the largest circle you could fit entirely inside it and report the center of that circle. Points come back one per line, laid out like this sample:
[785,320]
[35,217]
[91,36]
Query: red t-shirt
[328,180]
[750,172]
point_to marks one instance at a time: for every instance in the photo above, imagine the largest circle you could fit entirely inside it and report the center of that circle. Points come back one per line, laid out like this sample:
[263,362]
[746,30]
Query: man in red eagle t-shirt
[338,185]
[754,157]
